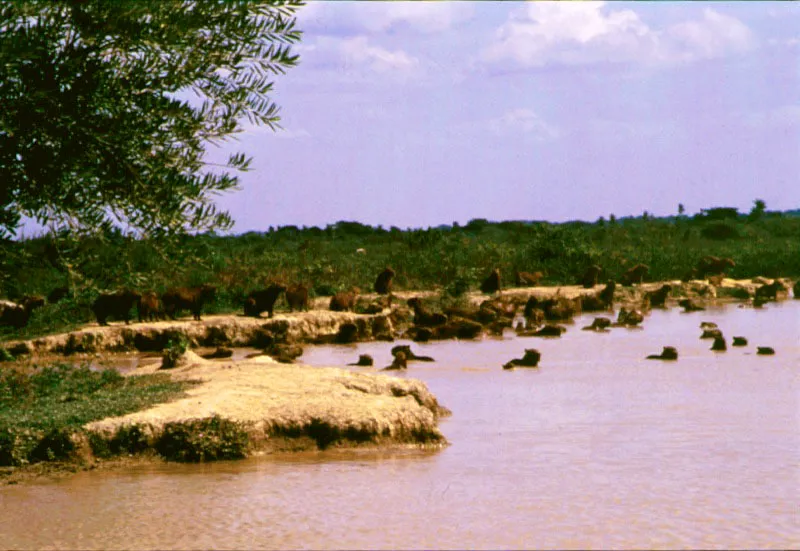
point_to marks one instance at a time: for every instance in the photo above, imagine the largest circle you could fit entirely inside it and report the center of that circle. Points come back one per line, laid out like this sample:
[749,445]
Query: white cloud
[580,33]
[357,51]
[354,18]
[522,121]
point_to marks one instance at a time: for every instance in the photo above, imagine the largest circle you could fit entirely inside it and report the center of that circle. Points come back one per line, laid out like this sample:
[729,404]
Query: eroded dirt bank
[278,407]
[320,324]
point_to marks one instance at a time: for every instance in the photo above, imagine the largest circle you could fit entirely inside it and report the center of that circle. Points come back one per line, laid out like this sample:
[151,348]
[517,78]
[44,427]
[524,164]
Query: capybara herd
[151,307]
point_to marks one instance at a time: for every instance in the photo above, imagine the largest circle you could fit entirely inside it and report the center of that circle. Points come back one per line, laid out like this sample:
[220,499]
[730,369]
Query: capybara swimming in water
[117,305]
[383,284]
[187,298]
[263,300]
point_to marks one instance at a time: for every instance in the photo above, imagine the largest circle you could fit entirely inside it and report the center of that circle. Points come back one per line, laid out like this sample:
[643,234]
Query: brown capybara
[528,279]
[658,298]
[263,300]
[713,265]
[600,300]
[117,305]
[491,284]
[769,291]
[424,317]
[590,276]
[187,298]
[636,274]
[57,294]
[297,297]
[14,315]
[344,301]
[31,302]
[150,307]
[668,353]
[383,284]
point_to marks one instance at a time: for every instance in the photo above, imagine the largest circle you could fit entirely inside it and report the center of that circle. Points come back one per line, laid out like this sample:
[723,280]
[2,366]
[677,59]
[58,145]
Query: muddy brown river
[598,448]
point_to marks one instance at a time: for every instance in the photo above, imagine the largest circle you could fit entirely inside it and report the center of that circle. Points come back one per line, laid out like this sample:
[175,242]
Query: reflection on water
[598,448]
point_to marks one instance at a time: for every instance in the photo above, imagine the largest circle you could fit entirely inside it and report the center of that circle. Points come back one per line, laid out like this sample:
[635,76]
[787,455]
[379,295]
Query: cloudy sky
[416,114]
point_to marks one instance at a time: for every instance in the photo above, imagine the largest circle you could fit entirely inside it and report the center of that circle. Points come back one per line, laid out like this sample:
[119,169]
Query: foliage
[454,259]
[108,107]
[203,440]
[40,411]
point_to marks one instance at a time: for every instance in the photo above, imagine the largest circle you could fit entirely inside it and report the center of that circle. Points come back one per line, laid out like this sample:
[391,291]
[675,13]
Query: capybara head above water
[117,305]
[188,298]
[383,284]
[297,297]
[263,300]
[491,284]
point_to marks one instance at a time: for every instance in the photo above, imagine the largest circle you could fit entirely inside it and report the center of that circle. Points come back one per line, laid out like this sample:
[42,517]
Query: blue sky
[416,114]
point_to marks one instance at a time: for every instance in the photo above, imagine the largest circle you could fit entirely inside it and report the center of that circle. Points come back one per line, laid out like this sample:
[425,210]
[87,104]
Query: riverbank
[259,406]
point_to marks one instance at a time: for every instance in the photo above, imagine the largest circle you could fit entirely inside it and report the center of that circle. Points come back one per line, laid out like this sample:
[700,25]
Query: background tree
[108,106]
[758,210]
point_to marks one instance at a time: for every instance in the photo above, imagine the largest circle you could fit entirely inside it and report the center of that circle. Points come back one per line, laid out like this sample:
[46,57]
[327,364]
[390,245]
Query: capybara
[636,274]
[398,363]
[719,344]
[187,298]
[713,265]
[383,284]
[57,294]
[344,301]
[600,300]
[770,291]
[590,276]
[150,307]
[423,317]
[669,353]
[528,279]
[13,314]
[263,300]
[690,305]
[31,302]
[117,305]
[530,359]
[658,298]
[297,297]
[492,283]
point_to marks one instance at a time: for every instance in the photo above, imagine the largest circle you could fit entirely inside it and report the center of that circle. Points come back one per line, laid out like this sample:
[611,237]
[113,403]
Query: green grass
[40,410]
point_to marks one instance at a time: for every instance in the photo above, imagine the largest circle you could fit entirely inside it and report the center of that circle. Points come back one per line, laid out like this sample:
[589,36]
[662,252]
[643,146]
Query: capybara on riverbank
[658,298]
[424,317]
[263,300]
[769,291]
[297,297]
[528,279]
[344,301]
[117,305]
[590,276]
[635,274]
[491,284]
[383,284]
[713,265]
[150,307]
[187,298]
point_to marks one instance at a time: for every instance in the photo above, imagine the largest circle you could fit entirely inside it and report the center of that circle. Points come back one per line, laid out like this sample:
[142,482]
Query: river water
[597,448]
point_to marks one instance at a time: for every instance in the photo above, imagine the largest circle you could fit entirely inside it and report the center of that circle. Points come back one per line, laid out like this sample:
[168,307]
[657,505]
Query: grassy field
[452,258]
[41,409]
